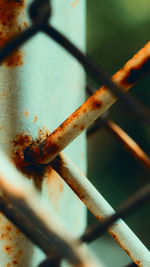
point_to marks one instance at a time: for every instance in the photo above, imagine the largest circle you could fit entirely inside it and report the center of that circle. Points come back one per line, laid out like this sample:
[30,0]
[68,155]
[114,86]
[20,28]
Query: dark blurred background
[116,30]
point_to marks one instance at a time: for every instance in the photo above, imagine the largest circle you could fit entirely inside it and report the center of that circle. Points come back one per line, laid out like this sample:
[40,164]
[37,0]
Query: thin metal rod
[131,204]
[128,142]
[130,145]
[100,76]
[84,116]
[21,203]
[102,210]
[17,41]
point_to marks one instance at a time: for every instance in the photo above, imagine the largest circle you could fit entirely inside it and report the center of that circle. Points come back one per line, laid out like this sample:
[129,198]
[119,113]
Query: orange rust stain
[19,144]
[16,59]
[43,133]
[6,232]
[118,241]
[50,147]
[10,10]
[75,2]
[54,185]
[18,232]
[18,255]
[8,249]
[4,94]
[8,228]
[26,114]
[99,218]
[82,128]
[15,262]
[35,119]
[134,69]
[95,104]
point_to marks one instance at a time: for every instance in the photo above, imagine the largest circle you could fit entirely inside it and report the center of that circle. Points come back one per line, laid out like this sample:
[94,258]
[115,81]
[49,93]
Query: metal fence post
[40,86]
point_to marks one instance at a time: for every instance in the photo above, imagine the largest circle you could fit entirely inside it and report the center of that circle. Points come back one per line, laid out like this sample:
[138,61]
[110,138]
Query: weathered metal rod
[101,209]
[87,113]
[129,144]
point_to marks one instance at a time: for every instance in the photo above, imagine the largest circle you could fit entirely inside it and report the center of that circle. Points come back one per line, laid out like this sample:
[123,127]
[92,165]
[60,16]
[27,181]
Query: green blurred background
[116,30]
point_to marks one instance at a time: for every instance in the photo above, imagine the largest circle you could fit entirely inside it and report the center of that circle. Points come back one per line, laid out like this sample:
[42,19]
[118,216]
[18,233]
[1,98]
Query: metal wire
[40,11]
[130,145]
[130,205]
[100,76]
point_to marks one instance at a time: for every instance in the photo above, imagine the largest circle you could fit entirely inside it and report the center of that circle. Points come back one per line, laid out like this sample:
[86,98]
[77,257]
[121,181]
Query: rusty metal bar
[100,76]
[129,144]
[23,205]
[84,116]
[132,203]
[40,12]
[101,209]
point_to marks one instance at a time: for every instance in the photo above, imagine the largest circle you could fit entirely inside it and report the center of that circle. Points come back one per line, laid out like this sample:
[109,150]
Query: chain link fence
[41,229]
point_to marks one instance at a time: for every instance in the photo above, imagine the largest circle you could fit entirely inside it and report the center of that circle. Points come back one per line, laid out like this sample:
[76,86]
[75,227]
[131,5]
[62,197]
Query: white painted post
[40,86]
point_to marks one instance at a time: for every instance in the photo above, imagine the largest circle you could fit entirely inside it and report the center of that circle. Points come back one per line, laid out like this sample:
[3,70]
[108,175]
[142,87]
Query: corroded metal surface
[41,222]
[96,105]
[33,104]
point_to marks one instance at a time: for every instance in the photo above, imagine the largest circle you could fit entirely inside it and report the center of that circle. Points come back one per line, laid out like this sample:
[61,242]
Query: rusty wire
[100,76]
[40,13]
[130,205]
[130,145]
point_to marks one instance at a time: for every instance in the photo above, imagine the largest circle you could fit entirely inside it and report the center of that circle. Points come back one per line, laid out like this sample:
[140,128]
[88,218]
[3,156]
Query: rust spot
[15,262]
[75,2]
[35,119]
[138,72]
[8,228]
[18,255]
[8,249]
[54,185]
[99,218]
[10,10]
[18,232]
[35,153]
[6,233]
[26,114]
[82,128]
[4,94]
[42,134]
[16,59]
[96,104]
[118,241]
[19,144]
[135,69]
